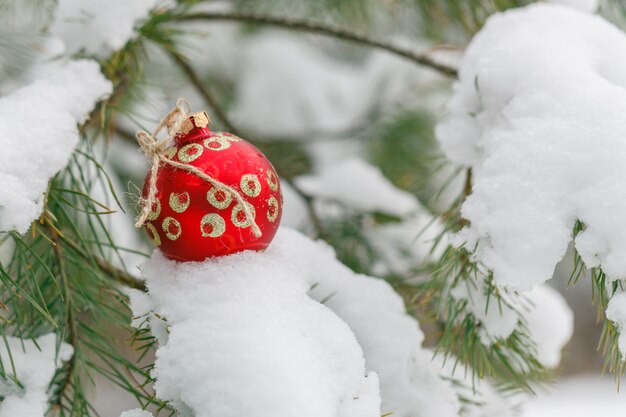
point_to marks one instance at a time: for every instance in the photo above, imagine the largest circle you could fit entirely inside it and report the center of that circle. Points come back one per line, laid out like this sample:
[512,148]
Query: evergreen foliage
[68,275]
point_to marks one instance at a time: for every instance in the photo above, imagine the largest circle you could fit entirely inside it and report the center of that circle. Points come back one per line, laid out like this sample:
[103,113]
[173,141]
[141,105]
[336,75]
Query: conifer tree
[343,97]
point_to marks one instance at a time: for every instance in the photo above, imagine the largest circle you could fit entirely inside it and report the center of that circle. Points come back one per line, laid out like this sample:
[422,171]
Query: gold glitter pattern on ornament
[153,234]
[191,152]
[179,201]
[230,137]
[239,217]
[171,152]
[272,209]
[250,185]
[272,180]
[220,199]
[212,225]
[216,143]
[155,210]
[172,228]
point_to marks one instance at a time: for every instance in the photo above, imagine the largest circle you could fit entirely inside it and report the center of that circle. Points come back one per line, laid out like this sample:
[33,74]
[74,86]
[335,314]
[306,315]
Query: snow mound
[34,365]
[360,186]
[538,113]
[266,339]
[38,132]
[411,384]
[98,27]
[265,348]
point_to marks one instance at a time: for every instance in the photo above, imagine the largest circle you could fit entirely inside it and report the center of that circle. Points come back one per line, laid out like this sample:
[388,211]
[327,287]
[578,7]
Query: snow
[332,95]
[541,313]
[579,396]
[7,248]
[406,245]
[410,382]
[550,323]
[22,45]
[265,338]
[38,132]
[498,316]
[144,317]
[136,413]
[485,400]
[616,312]
[358,185]
[98,27]
[244,338]
[334,92]
[295,214]
[34,366]
[540,99]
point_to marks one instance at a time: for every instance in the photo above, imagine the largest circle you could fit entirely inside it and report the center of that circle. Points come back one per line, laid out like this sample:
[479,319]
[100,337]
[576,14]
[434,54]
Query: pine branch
[324,29]
[107,267]
[217,108]
[203,90]
[70,319]
[308,201]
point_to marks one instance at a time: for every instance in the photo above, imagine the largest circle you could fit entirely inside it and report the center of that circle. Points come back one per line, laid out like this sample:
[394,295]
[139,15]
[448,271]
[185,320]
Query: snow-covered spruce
[538,113]
[33,363]
[38,132]
[264,337]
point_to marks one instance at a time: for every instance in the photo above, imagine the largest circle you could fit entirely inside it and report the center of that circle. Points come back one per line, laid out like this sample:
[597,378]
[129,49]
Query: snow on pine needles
[32,363]
[538,114]
[38,133]
[244,333]
[360,186]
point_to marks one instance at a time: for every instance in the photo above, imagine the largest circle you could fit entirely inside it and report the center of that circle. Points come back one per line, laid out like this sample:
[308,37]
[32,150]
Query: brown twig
[308,201]
[467,190]
[324,29]
[71,324]
[203,90]
[107,267]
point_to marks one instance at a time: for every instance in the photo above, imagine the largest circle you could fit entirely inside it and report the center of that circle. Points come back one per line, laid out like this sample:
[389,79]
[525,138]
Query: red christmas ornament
[192,219]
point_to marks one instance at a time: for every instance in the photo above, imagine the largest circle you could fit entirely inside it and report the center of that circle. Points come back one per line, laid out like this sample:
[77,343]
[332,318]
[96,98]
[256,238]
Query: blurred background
[349,128]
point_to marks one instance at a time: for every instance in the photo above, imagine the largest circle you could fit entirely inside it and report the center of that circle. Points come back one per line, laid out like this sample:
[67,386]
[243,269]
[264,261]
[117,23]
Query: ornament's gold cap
[199,119]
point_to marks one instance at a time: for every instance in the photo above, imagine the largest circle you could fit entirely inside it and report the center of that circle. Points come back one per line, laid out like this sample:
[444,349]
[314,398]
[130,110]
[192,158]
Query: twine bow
[155,149]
